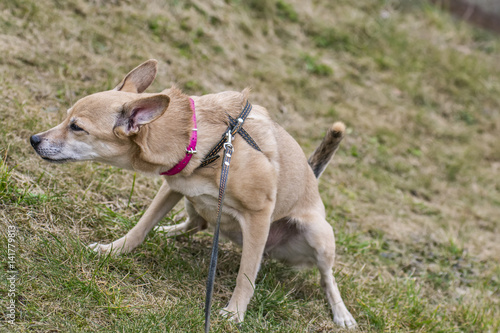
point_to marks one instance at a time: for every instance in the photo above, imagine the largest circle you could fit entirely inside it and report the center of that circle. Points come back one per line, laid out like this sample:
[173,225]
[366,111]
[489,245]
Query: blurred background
[483,13]
[412,194]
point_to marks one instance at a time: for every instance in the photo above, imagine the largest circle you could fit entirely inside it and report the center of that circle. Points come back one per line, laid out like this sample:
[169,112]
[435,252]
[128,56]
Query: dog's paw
[101,248]
[234,316]
[171,230]
[345,320]
[167,229]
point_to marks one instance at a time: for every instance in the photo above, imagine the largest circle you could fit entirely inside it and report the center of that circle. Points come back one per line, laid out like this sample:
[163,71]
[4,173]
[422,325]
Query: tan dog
[272,204]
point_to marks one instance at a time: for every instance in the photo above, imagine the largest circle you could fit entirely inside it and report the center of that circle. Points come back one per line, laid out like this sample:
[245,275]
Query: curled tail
[327,148]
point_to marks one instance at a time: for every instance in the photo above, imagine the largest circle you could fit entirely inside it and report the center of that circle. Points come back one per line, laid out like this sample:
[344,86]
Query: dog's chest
[192,186]
[203,195]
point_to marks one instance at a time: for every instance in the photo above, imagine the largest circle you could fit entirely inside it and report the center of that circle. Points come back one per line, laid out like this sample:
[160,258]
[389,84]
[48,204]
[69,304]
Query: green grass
[412,193]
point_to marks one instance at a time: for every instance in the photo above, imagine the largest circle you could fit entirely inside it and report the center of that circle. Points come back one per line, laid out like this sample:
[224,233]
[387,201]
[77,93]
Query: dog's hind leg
[319,235]
[310,240]
[163,202]
[192,225]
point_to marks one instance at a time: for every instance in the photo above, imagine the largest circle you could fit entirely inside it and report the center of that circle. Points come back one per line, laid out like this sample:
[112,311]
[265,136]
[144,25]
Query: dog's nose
[35,141]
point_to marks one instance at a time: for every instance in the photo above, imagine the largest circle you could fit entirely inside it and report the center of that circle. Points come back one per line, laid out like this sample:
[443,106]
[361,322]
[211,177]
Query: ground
[413,193]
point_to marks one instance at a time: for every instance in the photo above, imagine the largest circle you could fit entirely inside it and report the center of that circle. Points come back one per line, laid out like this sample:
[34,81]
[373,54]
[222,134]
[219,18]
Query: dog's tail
[327,148]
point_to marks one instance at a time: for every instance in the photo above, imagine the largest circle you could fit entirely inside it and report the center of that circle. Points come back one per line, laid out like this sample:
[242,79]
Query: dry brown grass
[413,193]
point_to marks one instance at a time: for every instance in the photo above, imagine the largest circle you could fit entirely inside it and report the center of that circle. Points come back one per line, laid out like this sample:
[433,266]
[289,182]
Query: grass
[412,195]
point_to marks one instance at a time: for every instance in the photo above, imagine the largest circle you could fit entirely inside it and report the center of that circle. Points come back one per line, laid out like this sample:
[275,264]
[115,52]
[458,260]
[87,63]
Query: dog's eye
[75,127]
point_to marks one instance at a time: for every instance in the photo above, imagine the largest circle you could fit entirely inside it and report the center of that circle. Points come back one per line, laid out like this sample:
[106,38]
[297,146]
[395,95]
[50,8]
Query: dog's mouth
[48,155]
[60,161]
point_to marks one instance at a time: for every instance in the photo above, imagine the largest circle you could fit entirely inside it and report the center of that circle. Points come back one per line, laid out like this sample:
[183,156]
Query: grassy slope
[413,195]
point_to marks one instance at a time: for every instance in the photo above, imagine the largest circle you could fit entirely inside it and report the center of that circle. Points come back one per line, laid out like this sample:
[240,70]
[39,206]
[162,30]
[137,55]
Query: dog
[272,204]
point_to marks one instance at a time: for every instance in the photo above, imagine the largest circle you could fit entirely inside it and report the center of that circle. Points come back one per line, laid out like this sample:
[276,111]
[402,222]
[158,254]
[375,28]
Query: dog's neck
[190,149]
[163,142]
[212,118]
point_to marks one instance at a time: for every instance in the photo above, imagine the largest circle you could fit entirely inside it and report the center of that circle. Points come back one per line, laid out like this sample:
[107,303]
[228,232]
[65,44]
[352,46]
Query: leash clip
[229,143]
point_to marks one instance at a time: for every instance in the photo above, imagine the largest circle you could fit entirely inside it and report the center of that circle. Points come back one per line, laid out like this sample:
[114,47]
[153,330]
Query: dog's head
[105,126]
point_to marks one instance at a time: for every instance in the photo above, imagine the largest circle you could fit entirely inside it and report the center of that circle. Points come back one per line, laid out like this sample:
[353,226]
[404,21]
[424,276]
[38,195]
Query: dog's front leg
[163,202]
[255,230]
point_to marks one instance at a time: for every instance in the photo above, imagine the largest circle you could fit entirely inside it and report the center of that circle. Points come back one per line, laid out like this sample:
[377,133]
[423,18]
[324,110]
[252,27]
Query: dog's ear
[140,78]
[140,112]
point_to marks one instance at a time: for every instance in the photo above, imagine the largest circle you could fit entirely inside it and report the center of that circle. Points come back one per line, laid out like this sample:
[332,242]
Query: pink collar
[190,150]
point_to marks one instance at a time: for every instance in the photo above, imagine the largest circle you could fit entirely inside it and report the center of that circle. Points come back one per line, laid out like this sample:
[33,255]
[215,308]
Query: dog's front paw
[345,320]
[119,246]
[234,316]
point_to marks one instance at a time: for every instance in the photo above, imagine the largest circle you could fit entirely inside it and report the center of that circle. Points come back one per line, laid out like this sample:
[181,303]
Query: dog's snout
[35,140]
